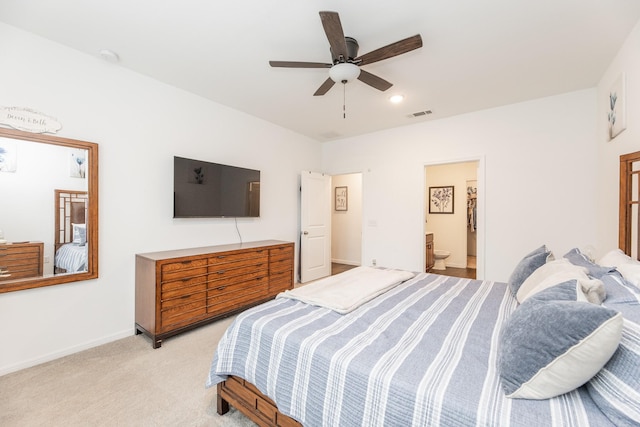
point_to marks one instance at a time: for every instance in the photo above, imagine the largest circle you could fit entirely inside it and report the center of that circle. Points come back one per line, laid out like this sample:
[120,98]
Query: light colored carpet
[123,383]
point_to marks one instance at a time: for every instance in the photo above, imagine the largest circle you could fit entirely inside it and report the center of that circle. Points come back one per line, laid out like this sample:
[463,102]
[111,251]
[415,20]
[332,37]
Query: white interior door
[315,226]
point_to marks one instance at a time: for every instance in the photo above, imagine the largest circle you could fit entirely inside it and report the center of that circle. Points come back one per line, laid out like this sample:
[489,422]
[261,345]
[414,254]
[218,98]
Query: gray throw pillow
[550,347]
[576,257]
[526,266]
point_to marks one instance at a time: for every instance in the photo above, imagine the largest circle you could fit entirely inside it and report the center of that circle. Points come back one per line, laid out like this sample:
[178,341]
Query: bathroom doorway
[450,213]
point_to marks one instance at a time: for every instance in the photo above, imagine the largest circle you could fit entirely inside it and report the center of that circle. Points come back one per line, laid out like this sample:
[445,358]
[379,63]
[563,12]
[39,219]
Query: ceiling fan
[345,64]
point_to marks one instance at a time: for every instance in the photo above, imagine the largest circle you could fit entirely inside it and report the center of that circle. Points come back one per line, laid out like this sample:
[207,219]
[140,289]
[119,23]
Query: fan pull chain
[344,99]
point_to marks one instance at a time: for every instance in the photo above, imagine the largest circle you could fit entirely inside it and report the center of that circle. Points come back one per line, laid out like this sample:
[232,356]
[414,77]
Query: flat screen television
[211,190]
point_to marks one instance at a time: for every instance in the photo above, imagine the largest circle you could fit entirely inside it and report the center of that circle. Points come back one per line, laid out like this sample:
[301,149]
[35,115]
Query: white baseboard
[64,352]
[345,261]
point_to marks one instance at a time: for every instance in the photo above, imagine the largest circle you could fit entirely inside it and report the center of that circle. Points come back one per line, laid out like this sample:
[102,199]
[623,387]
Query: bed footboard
[245,397]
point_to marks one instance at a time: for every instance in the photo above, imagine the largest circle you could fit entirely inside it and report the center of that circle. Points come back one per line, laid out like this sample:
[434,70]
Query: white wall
[139,124]
[450,230]
[537,172]
[346,226]
[606,194]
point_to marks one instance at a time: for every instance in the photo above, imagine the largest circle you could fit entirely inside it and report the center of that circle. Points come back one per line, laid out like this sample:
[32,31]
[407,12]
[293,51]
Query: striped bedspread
[71,257]
[421,354]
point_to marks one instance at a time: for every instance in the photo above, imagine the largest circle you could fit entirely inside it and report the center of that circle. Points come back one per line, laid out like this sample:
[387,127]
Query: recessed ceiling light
[396,99]
[109,56]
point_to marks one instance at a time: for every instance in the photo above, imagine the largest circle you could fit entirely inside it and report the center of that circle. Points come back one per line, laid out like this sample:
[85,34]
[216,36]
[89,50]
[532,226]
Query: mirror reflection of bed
[71,231]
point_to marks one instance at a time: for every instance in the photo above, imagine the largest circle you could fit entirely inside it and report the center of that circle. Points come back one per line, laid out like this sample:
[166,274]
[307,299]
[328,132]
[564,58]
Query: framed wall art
[616,111]
[341,203]
[441,200]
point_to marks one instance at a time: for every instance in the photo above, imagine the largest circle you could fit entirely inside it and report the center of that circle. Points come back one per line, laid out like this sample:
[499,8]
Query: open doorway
[451,192]
[346,222]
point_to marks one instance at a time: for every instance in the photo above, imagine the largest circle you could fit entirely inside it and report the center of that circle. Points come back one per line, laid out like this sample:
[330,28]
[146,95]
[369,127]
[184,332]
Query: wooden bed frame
[71,208]
[246,398]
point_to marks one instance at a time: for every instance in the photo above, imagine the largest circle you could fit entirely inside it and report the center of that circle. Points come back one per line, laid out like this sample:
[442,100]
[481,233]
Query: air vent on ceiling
[421,113]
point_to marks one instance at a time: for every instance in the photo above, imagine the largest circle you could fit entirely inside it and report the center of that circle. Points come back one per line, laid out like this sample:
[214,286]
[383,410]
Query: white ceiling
[476,54]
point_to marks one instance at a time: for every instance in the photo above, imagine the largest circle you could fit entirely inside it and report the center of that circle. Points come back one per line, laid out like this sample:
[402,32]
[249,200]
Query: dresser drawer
[281,265]
[183,314]
[253,256]
[183,296]
[243,284]
[176,285]
[280,282]
[219,304]
[236,268]
[183,269]
[281,252]
[21,260]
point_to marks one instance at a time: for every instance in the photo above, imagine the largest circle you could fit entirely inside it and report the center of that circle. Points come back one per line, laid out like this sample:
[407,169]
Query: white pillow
[614,258]
[627,266]
[548,275]
[630,271]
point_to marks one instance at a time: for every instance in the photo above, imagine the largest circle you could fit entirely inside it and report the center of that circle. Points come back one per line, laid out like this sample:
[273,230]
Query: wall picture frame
[616,111]
[341,199]
[441,199]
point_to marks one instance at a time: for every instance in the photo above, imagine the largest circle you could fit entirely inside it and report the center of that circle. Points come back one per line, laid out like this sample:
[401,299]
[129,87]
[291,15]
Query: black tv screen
[204,189]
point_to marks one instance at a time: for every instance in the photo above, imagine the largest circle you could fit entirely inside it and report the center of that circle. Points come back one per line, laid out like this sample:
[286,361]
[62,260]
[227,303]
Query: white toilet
[439,256]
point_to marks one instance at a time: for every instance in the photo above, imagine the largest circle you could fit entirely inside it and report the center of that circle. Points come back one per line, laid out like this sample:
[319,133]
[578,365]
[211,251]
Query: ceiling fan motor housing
[352,50]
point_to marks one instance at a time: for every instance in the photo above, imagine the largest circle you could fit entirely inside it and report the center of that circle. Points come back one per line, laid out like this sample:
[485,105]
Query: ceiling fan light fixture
[344,72]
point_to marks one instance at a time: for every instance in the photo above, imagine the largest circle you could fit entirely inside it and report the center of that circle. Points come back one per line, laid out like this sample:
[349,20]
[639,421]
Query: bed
[70,243]
[423,353]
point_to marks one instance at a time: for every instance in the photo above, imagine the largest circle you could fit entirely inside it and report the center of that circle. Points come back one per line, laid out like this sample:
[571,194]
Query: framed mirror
[49,215]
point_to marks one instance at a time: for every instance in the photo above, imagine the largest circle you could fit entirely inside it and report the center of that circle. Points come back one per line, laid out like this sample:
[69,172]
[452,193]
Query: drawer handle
[221,271]
[185,296]
[221,256]
[221,288]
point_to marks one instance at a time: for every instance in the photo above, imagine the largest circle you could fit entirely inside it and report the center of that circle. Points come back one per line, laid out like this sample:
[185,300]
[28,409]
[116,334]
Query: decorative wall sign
[441,200]
[341,199]
[616,113]
[28,120]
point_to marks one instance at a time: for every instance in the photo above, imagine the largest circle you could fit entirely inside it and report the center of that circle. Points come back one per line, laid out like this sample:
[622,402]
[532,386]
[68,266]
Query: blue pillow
[549,347]
[565,291]
[526,266]
[79,234]
[576,257]
[616,388]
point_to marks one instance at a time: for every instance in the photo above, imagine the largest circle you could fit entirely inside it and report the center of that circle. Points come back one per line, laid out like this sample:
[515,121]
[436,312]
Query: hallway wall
[346,226]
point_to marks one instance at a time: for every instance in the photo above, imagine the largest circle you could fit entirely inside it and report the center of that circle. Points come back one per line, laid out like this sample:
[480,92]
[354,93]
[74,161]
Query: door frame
[480,210]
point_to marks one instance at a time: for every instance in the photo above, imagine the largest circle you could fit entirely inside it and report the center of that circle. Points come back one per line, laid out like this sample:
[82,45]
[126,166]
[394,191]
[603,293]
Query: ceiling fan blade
[374,81]
[324,88]
[389,51]
[335,35]
[299,64]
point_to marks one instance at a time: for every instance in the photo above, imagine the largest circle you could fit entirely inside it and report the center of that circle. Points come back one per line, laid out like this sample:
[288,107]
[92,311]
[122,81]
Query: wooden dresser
[21,260]
[430,261]
[182,289]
